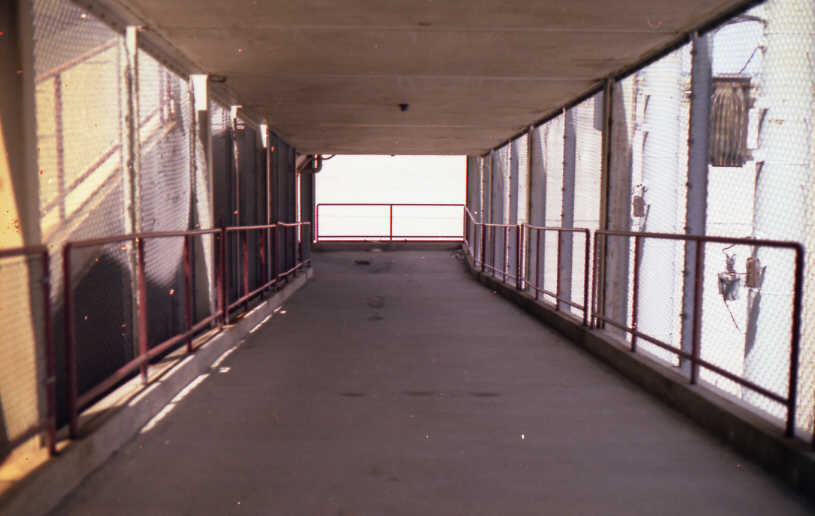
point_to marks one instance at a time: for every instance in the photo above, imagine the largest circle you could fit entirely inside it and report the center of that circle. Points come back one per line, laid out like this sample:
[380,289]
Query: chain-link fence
[24,348]
[744,170]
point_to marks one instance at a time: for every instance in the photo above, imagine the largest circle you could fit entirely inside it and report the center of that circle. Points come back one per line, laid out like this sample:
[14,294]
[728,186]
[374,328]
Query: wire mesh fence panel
[659,195]
[103,300]
[78,105]
[761,185]
[165,117]
[22,370]
[587,120]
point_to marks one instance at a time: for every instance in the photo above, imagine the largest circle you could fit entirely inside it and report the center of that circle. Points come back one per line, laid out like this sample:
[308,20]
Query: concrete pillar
[202,200]
[696,202]
[131,163]
[537,204]
[567,207]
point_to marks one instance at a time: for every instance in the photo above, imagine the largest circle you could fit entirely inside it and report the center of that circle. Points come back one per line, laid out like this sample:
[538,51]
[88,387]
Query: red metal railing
[491,245]
[694,357]
[390,236]
[480,241]
[272,270]
[48,425]
[540,231]
[220,316]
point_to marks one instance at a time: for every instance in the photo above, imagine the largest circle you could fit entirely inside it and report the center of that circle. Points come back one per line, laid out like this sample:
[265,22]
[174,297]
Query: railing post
[483,245]
[586,264]
[142,280]
[317,223]
[188,291]
[557,274]
[70,341]
[245,264]
[277,254]
[50,362]
[636,293]
[697,312]
[225,275]
[505,253]
[390,220]
[519,257]
[795,341]
[538,233]
[465,230]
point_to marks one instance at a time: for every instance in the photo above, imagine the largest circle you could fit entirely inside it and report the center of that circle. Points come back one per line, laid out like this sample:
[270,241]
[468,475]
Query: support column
[564,288]
[131,165]
[696,207]
[202,202]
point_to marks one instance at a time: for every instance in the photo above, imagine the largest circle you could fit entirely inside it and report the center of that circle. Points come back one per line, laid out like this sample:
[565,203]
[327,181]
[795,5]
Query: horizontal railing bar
[22,251]
[76,244]
[789,244]
[703,363]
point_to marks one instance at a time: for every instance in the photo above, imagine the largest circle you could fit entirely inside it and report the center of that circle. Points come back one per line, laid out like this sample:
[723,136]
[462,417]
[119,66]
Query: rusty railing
[390,236]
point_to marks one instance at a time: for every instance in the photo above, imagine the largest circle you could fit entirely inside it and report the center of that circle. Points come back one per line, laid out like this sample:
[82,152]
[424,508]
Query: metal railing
[390,236]
[480,243]
[219,316]
[483,237]
[694,356]
[45,426]
[272,269]
[540,232]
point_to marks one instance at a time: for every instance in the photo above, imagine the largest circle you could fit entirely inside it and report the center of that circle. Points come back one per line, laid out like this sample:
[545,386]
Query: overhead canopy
[329,75]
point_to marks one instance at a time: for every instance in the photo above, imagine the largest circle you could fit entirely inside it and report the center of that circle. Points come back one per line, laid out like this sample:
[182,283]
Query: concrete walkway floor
[403,387]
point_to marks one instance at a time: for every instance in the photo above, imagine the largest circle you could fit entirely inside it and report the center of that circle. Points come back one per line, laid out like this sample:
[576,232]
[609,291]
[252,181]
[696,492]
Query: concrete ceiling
[329,75]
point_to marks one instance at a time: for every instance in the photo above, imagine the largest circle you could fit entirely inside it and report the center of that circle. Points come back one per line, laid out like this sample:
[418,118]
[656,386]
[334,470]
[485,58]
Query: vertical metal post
[795,341]
[636,293]
[70,341]
[696,333]
[483,246]
[188,293]
[317,223]
[225,272]
[50,362]
[277,253]
[505,263]
[390,219]
[466,229]
[519,239]
[245,264]
[538,233]
[557,275]
[586,264]
[142,309]
[218,272]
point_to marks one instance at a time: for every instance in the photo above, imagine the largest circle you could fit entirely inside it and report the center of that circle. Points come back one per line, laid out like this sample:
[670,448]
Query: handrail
[220,316]
[481,258]
[694,356]
[390,236]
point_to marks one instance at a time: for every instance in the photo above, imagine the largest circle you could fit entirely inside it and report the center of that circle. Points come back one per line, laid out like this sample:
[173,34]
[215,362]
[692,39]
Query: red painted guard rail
[694,357]
[220,316]
[390,236]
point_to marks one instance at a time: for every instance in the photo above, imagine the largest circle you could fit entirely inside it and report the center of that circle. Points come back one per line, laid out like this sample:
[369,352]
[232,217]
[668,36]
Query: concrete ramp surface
[394,384]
